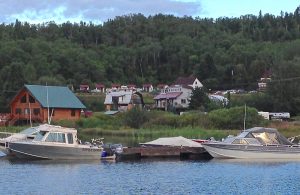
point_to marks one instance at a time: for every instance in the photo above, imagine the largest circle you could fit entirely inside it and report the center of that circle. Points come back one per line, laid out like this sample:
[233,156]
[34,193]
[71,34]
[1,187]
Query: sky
[99,11]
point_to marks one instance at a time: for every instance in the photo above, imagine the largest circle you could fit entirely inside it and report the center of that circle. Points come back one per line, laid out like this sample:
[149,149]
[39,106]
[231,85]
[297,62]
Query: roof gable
[58,97]
[185,80]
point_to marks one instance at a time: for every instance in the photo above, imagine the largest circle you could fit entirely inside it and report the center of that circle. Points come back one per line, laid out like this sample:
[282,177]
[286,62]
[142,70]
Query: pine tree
[199,99]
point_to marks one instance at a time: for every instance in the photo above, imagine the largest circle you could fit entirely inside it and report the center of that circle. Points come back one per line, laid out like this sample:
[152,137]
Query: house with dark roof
[188,81]
[123,100]
[264,80]
[175,96]
[45,103]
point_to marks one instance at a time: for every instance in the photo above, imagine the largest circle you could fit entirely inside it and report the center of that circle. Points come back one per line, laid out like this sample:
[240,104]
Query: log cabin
[43,104]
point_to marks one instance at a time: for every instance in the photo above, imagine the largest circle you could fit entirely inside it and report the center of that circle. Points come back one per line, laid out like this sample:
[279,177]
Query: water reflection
[256,161]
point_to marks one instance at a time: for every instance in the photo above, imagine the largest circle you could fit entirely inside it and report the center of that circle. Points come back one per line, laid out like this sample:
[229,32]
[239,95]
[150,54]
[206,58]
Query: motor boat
[58,143]
[26,134]
[254,143]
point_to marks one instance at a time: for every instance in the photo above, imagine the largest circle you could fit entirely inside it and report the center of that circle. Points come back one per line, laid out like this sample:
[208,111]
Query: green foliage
[157,49]
[260,101]
[284,88]
[233,118]
[199,99]
[135,118]
[94,103]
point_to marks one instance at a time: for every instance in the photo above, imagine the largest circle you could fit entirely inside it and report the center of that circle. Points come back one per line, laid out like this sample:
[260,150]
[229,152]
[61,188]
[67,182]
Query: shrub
[135,118]
[233,118]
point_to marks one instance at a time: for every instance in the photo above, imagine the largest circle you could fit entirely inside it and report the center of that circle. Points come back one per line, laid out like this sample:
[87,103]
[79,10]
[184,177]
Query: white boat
[57,143]
[27,134]
[254,143]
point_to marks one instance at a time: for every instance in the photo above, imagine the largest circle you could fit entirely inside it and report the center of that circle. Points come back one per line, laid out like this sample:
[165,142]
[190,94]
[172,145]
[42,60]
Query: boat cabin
[259,136]
[56,134]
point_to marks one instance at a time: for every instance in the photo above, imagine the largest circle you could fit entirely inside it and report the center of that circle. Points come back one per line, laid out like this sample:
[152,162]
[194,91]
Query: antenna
[48,104]
[245,116]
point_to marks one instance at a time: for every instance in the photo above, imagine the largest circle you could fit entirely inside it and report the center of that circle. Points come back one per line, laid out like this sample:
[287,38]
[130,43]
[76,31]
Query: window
[26,111]
[56,137]
[70,138]
[24,99]
[36,111]
[39,136]
[183,101]
[18,111]
[73,113]
[240,141]
[31,99]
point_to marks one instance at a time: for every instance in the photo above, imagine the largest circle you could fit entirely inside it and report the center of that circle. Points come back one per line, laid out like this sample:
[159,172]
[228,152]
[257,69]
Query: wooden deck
[164,152]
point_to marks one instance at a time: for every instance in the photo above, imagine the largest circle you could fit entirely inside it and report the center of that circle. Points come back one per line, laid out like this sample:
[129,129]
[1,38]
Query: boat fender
[103,154]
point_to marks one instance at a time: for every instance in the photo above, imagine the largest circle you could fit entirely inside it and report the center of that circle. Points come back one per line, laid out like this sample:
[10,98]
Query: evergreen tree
[199,99]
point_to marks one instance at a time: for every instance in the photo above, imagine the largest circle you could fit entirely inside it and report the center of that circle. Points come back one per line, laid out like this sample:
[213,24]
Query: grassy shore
[161,124]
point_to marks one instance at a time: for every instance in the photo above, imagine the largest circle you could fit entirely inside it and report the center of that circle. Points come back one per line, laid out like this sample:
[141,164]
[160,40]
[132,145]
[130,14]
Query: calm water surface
[149,177]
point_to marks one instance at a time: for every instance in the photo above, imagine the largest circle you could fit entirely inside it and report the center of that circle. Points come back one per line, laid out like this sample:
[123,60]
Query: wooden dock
[164,152]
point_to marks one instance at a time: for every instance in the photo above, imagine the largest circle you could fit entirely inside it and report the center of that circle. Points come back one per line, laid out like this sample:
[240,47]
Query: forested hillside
[223,53]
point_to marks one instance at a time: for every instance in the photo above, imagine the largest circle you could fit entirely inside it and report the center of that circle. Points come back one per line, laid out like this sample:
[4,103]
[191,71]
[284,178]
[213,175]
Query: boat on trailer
[58,143]
[254,143]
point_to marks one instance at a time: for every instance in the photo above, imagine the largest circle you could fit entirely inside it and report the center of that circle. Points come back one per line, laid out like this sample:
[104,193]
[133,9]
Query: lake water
[150,177]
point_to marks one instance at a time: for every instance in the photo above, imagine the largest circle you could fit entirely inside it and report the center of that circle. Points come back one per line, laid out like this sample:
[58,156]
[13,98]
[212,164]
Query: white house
[190,81]
[147,87]
[176,96]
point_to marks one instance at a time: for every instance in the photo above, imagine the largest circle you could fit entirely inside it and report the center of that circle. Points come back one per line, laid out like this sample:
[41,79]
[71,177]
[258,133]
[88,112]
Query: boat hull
[26,150]
[251,151]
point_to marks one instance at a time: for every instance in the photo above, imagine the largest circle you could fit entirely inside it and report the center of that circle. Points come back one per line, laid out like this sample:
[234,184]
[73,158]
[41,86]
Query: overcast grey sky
[97,11]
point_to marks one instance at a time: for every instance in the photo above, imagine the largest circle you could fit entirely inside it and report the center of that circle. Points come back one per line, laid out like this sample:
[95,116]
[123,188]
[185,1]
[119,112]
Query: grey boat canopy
[264,136]
[172,141]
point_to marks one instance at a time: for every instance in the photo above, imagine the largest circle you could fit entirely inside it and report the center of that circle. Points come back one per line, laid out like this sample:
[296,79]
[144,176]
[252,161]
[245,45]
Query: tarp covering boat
[172,141]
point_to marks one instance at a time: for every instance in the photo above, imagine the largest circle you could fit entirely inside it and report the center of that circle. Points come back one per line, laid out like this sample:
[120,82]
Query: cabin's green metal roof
[58,97]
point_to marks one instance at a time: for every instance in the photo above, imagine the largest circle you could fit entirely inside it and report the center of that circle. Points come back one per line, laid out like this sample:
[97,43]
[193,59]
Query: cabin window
[36,111]
[26,111]
[70,138]
[240,141]
[18,111]
[73,113]
[39,136]
[24,99]
[56,137]
[183,101]
[31,99]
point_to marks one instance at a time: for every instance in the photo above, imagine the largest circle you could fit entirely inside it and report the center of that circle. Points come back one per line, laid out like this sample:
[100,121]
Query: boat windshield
[29,131]
[266,138]
[246,141]
[39,136]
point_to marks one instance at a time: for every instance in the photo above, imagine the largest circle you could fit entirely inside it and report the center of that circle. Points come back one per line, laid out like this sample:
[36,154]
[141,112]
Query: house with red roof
[115,86]
[148,87]
[84,88]
[160,87]
[99,87]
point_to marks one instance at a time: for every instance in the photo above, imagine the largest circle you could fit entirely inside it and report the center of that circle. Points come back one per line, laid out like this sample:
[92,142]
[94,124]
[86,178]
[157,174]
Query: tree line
[223,53]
